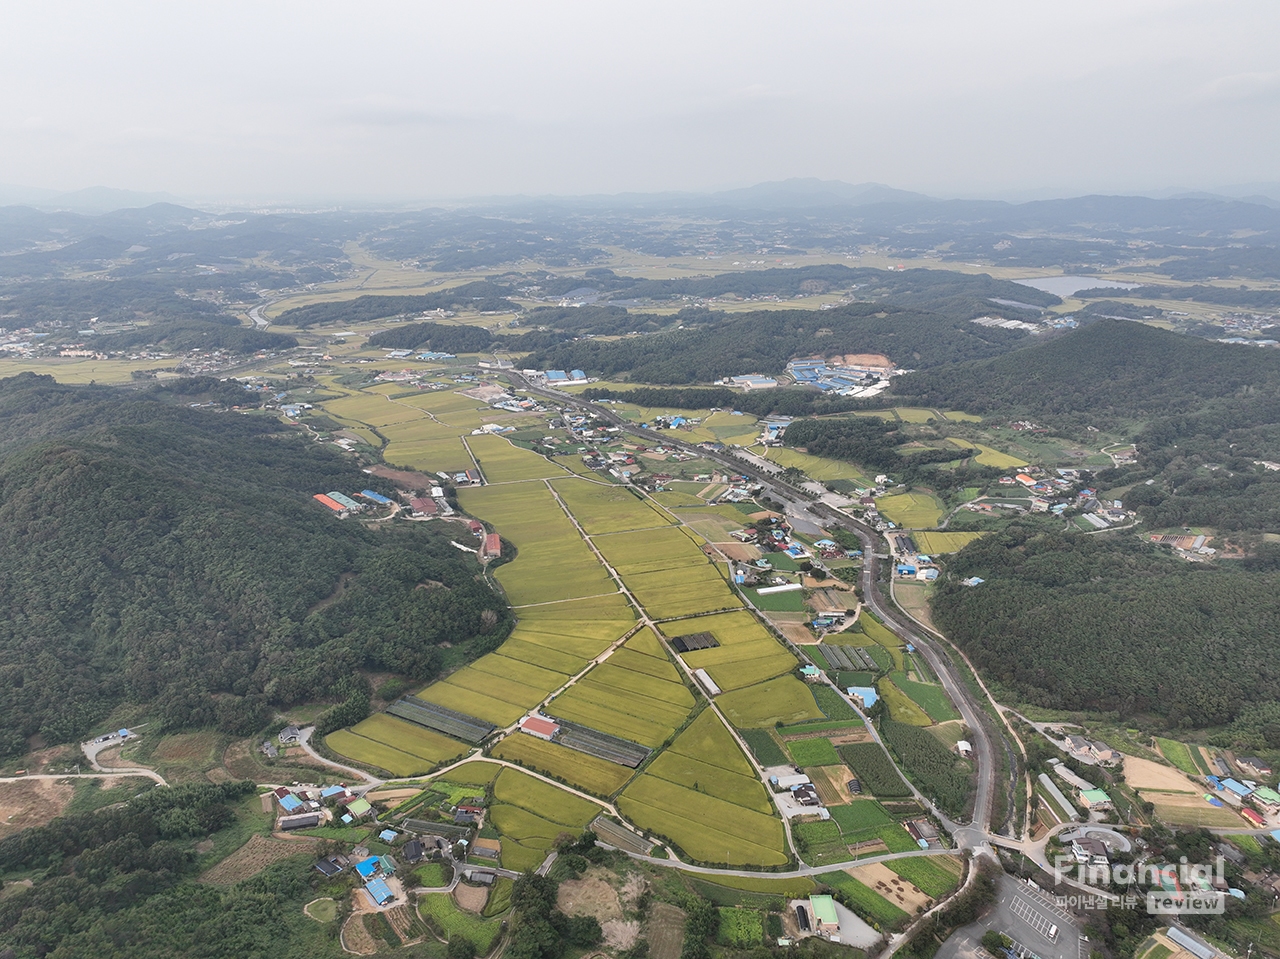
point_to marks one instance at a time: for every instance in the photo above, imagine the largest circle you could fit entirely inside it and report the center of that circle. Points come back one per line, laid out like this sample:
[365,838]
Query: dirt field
[620,934]
[405,479]
[589,896]
[1145,774]
[665,931]
[889,884]
[32,803]
[1183,810]
[250,859]
[355,938]
[471,898]
[392,795]
[838,777]
[742,552]
[913,598]
[110,758]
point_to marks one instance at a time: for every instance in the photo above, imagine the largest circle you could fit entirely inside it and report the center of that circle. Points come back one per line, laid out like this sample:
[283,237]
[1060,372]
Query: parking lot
[1024,914]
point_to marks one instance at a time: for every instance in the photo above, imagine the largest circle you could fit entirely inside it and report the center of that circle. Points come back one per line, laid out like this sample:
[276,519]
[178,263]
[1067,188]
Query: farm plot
[500,462]
[911,414]
[607,509]
[914,510]
[1179,754]
[763,746]
[367,751]
[596,776]
[725,817]
[935,876]
[530,815]
[785,699]
[740,928]
[410,738]
[895,889]
[439,910]
[591,708]
[929,697]
[987,456]
[874,770]
[813,752]
[901,707]
[553,561]
[424,444]
[687,591]
[943,542]
[866,901]
[371,408]
[734,667]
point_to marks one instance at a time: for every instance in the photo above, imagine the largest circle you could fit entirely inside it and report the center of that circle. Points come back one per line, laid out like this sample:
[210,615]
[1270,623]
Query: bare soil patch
[893,887]
[405,479]
[589,896]
[1145,774]
[796,632]
[59,756]
[392,795]
[471,898]
[186,747]
[869,848]
[33,802]
[620,934]
[838,778]
[742,552]
[355,938]
[250,859]
[665,931]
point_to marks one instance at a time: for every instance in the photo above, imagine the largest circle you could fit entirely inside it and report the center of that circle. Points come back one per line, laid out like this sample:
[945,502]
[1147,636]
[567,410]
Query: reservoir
[1067,285]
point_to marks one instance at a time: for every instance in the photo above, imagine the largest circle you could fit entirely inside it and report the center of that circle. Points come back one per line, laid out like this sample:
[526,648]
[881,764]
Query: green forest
[174,558]
[1113,625]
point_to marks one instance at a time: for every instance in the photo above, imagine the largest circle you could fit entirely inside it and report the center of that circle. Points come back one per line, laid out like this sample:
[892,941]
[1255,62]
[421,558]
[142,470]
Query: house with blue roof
[379,892]
[1234,786]
[290,803]
[867,694]
[367,868]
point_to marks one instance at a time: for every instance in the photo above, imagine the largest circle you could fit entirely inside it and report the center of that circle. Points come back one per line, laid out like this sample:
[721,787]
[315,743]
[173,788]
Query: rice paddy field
[914,510]
[988,456]
[748,653]
[553,562]
[530,814]
[910,414]
[372,753]
[500,462]
[667,572]
[943,542]
[425,445]
[785,699]
[588,773]
[602,508]
[705,826]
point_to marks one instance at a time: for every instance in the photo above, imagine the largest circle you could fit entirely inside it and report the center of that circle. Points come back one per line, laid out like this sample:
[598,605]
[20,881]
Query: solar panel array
[455,724]
[613,749]
[849,657]
[687,644]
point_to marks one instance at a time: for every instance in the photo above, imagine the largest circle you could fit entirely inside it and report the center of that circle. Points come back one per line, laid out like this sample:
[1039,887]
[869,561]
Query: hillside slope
[170,557]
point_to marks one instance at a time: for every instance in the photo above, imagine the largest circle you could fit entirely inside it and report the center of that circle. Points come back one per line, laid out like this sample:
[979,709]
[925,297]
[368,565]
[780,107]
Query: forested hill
[1111,368]
[1107,624]
[731,344]
[174,558]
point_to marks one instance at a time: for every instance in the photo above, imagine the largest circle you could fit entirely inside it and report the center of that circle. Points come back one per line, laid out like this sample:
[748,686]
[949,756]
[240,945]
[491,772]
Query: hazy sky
[433,100]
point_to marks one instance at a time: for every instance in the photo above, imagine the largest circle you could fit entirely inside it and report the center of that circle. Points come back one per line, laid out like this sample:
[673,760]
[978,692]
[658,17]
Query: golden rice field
[914,510]
[910,414]
[553,562]
[500,462]
[604,508]
[739,830]
[372,753]
[588,773]
[988,456]
[943,542]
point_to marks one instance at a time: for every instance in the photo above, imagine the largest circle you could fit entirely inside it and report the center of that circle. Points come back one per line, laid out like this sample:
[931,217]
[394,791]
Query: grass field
[796,888]
[790,602]
[588,773]
[932,699]
[813,752]
[910,414]
[914,510]
[785,699]
[901,706]
[860,814]
[943,542]
[607,509]
[1179,754]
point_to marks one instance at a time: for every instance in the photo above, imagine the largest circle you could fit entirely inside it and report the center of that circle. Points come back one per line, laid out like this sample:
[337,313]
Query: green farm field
[813,752]
[935,876]
[785,699]
[410,738]
[819,468]
[866,901]
[987,456]
[1179,754]
[443,913]
[909,414]
[503,463]
[902,707]
[929,697]
[588,773]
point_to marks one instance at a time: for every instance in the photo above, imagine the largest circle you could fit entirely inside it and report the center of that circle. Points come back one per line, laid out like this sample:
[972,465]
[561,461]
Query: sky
[424,100]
